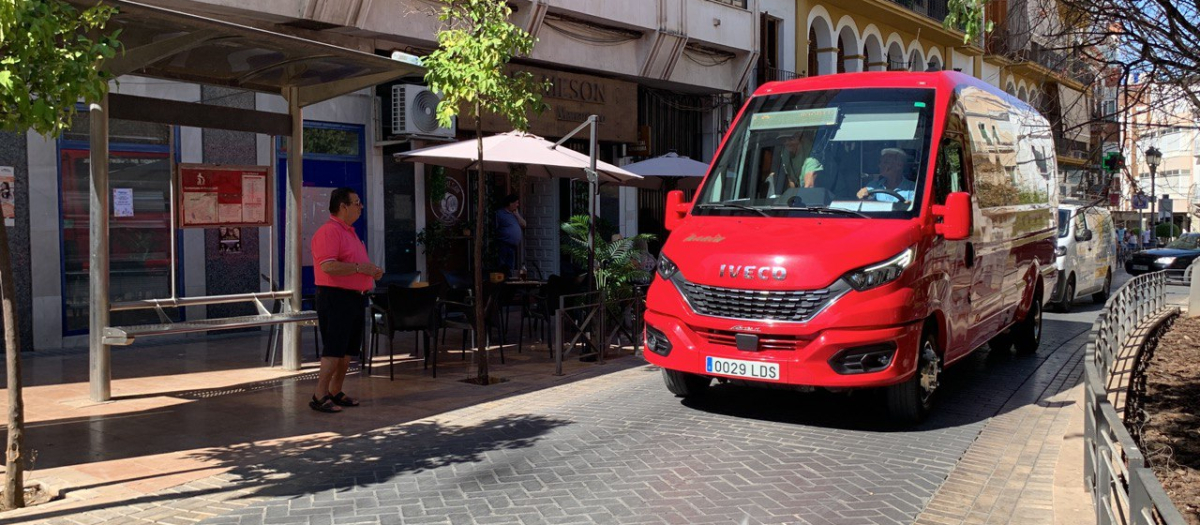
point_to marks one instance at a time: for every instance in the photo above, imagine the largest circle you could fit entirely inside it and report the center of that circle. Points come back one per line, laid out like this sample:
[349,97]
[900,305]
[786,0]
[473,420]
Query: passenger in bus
[893,164]
[801,170]
[768,185]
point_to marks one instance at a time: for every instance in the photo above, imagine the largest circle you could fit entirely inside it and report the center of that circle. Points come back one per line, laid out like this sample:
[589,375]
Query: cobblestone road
[620,449]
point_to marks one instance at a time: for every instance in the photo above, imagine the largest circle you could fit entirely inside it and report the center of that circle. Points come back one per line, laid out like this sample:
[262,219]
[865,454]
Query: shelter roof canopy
[170,44]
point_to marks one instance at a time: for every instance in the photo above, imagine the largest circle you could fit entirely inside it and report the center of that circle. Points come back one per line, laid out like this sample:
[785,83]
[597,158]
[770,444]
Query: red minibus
[859,230]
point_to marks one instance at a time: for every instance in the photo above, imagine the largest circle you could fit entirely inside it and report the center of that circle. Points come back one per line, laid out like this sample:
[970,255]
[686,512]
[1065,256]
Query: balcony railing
[935,9]
[1000,43]
[771,74]
[1072,149]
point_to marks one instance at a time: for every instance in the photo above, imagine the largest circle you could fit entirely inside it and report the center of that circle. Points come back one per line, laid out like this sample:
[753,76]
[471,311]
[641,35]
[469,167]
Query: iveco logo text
[778,273]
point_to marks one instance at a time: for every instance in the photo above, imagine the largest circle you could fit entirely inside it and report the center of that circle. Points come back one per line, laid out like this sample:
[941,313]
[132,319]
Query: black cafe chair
[543,302]
[460,315]
[405,309]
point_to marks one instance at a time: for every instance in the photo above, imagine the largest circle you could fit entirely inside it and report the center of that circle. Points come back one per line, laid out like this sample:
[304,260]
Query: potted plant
[619,261]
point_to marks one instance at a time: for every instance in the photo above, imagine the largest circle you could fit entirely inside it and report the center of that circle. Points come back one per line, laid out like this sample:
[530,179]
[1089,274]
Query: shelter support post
[291,242]
[99,356]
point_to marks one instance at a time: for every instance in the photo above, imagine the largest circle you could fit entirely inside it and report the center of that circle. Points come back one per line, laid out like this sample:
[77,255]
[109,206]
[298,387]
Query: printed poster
[122,202]
[254,199]
[8,194]
[212,195]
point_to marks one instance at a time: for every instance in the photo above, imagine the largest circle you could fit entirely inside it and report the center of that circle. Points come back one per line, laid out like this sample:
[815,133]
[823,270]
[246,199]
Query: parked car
[1175,256]
[859,231]
[1087,255]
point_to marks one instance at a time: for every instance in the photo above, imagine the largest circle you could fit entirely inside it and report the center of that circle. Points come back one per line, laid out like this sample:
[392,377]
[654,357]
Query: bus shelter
[167,44]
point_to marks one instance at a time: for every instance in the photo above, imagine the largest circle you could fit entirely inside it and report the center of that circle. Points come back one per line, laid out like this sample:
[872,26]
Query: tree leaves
[967,16]
[475,43]
[616,268]
[49,62]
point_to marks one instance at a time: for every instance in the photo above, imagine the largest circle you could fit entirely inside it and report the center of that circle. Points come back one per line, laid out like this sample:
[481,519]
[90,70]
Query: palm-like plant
[617,270]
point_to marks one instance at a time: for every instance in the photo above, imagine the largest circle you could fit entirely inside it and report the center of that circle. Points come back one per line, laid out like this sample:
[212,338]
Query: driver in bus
[891,179]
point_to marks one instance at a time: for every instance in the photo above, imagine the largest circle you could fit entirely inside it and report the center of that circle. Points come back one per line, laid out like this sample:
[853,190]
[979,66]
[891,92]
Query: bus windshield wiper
[734,206]
[822,209]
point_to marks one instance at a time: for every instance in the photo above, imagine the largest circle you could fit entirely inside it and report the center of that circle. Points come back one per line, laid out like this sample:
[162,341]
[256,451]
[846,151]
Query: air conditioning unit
[414,113]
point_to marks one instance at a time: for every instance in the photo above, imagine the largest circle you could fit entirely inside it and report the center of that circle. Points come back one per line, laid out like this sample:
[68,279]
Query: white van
[1087,254]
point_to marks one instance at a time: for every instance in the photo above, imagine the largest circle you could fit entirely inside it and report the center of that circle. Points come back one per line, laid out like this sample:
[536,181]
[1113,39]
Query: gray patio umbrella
[669,171]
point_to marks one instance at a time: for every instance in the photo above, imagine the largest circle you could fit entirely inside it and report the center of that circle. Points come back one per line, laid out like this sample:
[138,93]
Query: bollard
[1193,308]
[557,340]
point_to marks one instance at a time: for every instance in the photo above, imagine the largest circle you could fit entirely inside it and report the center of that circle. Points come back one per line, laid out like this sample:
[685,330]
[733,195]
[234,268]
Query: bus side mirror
[676,209]
[956,217]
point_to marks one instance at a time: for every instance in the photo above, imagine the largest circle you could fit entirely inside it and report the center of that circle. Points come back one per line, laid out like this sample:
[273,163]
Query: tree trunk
[14,472]
[480,323]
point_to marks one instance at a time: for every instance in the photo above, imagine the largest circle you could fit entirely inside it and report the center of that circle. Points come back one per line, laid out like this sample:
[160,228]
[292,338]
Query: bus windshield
[841,153]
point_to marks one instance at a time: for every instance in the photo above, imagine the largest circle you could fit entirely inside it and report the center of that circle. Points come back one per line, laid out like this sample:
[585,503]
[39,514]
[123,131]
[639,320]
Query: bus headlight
[877,275]
[666,268]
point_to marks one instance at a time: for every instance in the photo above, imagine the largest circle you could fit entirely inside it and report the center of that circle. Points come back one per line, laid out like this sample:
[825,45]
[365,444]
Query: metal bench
[124,335]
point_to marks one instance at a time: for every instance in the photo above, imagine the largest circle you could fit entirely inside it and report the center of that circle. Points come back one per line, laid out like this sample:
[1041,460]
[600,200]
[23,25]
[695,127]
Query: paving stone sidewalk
[618,449]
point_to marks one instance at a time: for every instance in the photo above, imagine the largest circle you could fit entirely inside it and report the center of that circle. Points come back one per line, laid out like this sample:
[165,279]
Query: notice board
[213,195]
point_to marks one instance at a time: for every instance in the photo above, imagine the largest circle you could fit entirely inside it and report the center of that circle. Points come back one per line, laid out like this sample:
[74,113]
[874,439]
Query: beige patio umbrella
[542,158]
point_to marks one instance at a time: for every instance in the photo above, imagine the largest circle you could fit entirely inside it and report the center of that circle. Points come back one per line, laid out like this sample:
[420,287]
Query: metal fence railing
[591,320]
[1124,488]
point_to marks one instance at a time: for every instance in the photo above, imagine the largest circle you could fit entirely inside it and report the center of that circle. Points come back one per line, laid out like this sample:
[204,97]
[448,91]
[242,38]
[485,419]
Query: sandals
[341,399]
[325,404]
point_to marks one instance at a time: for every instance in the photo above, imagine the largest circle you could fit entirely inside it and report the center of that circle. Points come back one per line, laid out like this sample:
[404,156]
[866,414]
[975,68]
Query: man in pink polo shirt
[343,275]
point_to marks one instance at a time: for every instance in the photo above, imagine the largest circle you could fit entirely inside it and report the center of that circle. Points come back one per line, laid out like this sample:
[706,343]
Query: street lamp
[1153,159]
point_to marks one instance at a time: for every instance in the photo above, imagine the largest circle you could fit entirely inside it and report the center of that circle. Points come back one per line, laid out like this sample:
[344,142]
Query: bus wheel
[1027,334]
[683,384]
[909,402]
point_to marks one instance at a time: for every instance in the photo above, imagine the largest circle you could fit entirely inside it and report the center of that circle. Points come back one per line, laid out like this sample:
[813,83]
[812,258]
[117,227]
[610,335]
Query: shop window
[331,141]
[139,236]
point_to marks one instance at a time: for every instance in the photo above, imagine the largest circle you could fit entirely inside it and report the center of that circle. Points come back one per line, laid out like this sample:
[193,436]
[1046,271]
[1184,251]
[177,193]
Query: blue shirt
[508,229]
[906,189]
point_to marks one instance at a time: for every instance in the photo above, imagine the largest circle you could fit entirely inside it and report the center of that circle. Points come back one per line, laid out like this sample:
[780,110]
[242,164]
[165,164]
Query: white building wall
[962,62]
[991,75]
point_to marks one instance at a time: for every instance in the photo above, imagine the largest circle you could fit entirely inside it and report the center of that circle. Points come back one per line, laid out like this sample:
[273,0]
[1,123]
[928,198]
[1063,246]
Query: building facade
[1022,55]
[660,75]
[1154,118]
[666,75]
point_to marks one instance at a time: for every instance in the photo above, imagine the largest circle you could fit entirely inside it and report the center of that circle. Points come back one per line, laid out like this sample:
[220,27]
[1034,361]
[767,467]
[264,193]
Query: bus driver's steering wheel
[898,196]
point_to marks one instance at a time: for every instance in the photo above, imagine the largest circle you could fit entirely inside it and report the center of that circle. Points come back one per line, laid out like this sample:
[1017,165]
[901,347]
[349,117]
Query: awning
[169,44]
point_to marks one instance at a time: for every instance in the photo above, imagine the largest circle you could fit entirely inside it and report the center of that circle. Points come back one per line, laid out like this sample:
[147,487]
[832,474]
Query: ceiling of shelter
[168,44]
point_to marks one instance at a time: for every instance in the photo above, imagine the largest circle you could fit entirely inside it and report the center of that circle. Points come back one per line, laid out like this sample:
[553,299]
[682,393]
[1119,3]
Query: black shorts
[340,316]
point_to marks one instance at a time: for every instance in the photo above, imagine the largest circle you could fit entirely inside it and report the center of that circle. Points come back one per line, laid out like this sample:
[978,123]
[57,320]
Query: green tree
[50,54]
[967,16]
[467,69]
[1166,230]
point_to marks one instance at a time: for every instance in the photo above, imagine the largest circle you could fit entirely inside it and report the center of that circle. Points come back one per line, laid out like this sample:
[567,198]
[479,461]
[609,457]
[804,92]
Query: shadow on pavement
[311,465]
